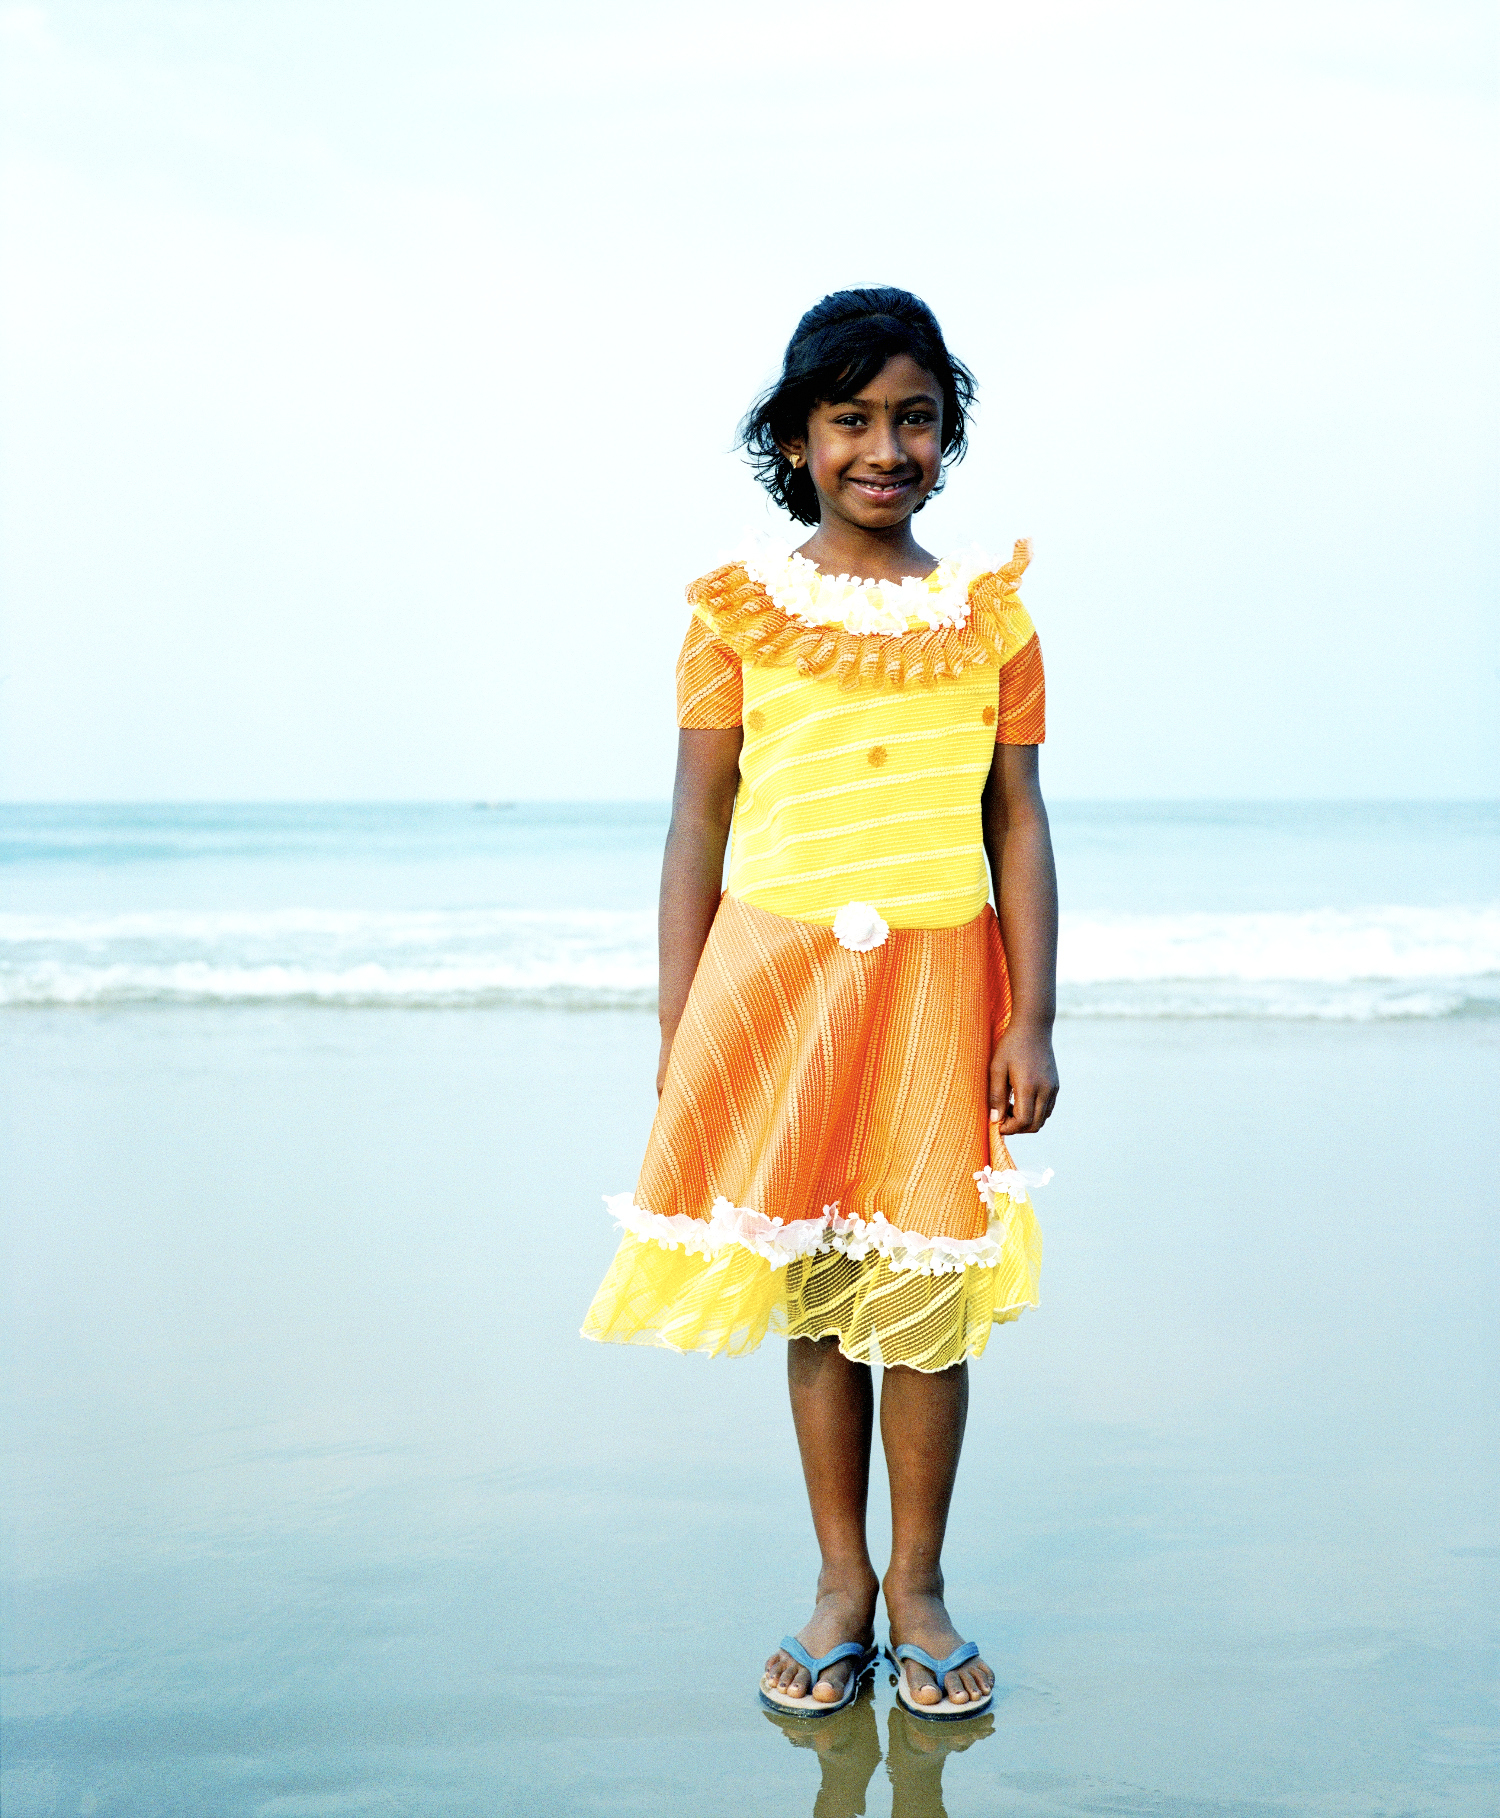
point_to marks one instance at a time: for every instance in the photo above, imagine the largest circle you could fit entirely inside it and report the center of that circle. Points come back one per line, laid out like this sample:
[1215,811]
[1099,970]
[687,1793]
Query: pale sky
[371,372]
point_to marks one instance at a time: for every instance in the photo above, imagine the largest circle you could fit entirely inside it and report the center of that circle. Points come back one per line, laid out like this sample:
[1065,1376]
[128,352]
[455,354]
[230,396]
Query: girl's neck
[870,555]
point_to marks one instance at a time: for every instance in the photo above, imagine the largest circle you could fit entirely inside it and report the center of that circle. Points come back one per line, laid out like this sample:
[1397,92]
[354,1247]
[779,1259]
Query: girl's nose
[883,447]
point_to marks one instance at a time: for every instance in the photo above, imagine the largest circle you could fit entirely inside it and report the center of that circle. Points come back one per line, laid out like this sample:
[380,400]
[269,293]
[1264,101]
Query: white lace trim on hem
[1008,1183]
[780,1242]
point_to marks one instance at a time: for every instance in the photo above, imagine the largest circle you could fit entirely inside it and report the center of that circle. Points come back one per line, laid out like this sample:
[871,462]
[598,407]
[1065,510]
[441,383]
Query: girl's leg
[833,1409]
[922,1429]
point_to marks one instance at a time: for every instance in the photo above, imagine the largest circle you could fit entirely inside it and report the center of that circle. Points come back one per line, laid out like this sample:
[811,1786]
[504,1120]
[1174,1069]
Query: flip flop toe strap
[940,1669]
[846,1650]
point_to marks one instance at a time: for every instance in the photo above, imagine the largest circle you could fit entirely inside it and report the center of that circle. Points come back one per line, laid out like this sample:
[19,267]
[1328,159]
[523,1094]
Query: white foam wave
[434,957]
[1345,965]
[384,926]
[1324,947]
[195,982]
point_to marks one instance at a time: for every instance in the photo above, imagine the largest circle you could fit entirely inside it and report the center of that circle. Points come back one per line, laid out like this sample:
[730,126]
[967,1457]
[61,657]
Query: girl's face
[874,458]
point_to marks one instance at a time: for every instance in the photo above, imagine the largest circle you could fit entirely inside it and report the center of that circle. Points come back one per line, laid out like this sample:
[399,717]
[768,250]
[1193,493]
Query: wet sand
[319,1504]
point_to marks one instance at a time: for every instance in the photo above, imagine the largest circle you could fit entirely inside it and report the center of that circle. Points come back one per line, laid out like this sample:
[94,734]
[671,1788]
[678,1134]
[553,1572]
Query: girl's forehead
[900,380]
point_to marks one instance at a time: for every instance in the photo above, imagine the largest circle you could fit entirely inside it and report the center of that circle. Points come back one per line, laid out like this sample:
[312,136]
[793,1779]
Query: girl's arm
[692,867]
[1023,1074]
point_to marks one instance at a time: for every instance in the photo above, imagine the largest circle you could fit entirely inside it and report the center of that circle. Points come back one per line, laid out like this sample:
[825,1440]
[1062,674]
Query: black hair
[839,346]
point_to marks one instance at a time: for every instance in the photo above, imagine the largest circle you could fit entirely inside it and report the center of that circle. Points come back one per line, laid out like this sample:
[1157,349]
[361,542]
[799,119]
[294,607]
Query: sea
[1346,912]
[317,1505]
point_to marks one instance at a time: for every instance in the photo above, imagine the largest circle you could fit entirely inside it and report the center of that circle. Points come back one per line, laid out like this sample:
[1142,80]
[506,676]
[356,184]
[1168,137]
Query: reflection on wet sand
[914,1756]
[848,1751]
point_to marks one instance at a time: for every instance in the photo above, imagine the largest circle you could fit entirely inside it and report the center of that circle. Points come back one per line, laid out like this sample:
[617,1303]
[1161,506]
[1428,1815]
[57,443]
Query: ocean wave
[1362,1001]
[355,957]
[1325,946]
[365,986]
[1339,965]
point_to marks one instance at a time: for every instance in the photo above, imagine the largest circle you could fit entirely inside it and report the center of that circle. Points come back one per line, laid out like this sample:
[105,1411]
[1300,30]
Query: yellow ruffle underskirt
[724,1304]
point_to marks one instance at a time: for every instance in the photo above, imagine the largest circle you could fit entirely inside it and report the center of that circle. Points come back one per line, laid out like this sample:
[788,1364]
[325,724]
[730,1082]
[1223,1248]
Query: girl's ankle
[848,1579]
[917,1581]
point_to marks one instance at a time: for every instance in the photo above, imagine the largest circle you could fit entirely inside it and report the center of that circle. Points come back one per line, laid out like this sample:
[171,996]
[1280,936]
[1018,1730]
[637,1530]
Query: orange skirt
[820,1162]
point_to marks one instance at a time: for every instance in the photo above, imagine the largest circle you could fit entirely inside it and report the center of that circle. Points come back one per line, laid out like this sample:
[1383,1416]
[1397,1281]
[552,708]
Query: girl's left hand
[1023,1081]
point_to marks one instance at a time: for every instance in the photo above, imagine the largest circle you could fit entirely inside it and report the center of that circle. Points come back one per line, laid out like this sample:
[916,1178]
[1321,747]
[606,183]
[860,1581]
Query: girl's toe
[957,1691]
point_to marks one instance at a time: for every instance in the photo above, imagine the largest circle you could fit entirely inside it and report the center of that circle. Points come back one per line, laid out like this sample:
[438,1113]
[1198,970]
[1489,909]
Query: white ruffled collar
[803,592]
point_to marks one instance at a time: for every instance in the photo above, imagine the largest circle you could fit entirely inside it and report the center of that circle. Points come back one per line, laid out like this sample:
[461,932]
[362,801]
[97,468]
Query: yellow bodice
[862,795]
[865,755]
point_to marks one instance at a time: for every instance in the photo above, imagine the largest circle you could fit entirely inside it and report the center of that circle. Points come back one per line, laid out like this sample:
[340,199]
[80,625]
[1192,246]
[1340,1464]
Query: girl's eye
[919,416]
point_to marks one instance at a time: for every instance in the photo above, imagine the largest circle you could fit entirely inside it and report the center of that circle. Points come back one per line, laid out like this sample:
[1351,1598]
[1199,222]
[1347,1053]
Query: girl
[840,1026]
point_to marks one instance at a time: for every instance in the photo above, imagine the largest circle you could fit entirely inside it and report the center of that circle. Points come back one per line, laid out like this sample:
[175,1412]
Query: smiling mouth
[885,488]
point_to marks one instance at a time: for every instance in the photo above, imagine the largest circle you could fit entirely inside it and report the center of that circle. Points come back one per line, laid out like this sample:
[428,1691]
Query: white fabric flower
[859,927]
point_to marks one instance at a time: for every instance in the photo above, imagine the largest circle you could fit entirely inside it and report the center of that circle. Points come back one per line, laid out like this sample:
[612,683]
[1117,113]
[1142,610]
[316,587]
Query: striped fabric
[864,794]
[802,1077]
[1023,698]
[709,691]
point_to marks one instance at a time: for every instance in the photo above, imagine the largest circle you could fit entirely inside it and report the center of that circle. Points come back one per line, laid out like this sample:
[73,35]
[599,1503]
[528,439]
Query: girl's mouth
[886,491]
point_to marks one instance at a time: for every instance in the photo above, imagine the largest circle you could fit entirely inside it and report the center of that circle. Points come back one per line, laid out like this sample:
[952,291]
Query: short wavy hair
[838,347]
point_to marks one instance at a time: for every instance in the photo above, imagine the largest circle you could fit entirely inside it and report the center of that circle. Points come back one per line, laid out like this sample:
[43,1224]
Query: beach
[319,1504]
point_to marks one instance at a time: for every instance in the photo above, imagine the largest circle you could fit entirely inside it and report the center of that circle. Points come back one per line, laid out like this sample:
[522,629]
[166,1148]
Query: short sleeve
[710,686]
[1022,719]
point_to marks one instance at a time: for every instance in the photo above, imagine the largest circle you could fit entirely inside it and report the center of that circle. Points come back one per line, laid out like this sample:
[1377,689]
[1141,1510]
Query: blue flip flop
[945,1710]
[807,1706]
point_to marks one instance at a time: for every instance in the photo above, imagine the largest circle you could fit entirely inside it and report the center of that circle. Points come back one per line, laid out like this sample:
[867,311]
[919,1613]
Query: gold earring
[796,461]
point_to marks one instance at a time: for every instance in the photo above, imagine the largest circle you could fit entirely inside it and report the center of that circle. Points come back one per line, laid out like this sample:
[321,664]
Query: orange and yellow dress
[819,1164]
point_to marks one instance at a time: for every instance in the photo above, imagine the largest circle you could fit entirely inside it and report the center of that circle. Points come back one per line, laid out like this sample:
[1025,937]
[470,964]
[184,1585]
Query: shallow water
[319,1505]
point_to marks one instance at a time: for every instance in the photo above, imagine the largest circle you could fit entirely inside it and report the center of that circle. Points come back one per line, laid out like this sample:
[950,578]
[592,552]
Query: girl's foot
[920,1618]
[840,1615]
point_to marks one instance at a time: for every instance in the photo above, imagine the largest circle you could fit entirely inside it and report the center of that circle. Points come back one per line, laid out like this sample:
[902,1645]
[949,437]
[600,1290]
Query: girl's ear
[795,452]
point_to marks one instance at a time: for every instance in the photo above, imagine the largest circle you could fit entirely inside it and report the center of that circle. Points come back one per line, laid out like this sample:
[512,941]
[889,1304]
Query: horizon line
[664,801]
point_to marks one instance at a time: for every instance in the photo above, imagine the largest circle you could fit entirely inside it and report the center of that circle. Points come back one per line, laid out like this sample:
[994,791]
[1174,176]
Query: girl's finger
[1011,1122]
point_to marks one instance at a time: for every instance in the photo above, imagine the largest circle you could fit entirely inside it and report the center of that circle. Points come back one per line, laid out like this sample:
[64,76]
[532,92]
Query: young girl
[848,1034]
